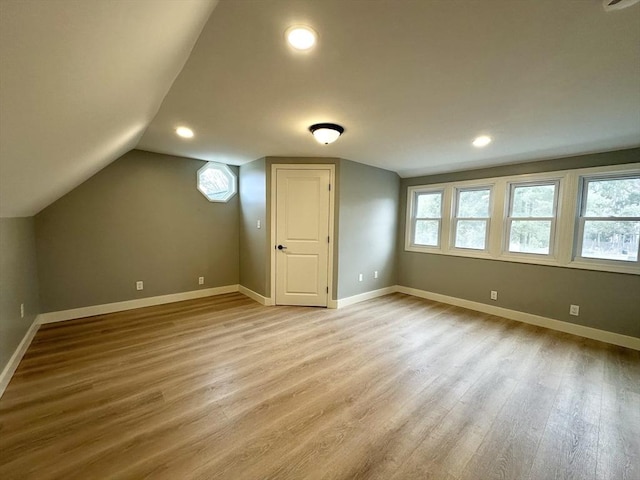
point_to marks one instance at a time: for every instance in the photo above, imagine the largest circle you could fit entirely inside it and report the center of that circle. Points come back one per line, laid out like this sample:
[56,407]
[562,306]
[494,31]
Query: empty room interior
[320,239]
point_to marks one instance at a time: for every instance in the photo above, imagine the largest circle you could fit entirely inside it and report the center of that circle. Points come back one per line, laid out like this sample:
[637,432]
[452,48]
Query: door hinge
[328,240]
[329,187]
[327,289]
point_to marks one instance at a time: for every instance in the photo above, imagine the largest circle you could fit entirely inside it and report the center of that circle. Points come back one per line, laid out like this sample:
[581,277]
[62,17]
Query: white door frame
[331,302]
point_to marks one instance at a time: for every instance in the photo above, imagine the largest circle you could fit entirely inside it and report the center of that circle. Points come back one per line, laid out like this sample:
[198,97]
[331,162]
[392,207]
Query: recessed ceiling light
[301,37]
[326,132]
[184,132]
[482,141]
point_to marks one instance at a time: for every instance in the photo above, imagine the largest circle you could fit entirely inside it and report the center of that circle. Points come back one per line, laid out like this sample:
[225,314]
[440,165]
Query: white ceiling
[80,80]
[412,82]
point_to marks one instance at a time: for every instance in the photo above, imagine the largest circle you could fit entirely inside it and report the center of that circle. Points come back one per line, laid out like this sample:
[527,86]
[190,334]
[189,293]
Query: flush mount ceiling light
[184,132]
[482,141]
[326,132]
[301,37]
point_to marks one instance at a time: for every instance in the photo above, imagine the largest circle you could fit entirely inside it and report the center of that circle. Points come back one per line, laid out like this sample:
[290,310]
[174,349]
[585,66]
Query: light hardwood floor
[393,388]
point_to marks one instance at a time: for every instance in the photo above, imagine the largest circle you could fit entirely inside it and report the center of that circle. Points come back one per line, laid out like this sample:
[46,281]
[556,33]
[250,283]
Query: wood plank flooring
[393,388]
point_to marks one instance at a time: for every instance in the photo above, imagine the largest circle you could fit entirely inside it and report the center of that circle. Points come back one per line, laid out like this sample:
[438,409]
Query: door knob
[281,247]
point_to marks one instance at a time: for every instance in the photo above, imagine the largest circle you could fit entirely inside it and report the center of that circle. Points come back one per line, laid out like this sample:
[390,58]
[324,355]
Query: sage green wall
[365,225]
[608,301]
[140,218]
[618,157]
[368,222]
[18,283]
[254,248]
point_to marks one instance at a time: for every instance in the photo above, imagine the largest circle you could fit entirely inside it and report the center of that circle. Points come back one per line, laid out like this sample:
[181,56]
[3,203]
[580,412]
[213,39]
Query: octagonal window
[217,182]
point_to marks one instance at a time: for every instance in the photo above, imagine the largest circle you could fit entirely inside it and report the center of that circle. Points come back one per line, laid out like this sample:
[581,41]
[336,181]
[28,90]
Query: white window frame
[413,219]
[566,232]
[509,218]
[224,196]
[455,218]
[581,219]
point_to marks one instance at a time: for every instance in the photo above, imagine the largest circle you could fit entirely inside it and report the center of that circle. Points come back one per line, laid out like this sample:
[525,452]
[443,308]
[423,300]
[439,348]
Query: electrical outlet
[22,310]
[360,277]
[200,280]
[258,224]
[494,295]
[139,285]
[574,310]
[375,274]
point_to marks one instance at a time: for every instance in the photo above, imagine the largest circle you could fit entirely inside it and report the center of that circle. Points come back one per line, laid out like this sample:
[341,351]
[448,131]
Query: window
[471,221]
[217,182]
[427,220]
[531,217]
[584,218]
[609,221]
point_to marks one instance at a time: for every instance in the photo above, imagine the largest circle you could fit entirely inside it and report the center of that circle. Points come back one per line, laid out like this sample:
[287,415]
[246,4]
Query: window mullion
[566,218]
[410,224]
[447,213]
[495,226]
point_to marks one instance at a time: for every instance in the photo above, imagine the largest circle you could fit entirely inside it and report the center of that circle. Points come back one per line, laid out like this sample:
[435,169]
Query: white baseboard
[559,325]
[255,296]
[580,330]
[14,361]
[74,313]
[344,302]
[61,316]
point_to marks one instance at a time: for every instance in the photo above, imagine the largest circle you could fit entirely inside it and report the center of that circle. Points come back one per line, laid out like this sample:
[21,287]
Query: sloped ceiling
[412,81]
[80,80]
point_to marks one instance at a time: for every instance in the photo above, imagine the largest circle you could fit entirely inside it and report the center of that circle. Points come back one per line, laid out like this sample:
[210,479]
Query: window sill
[605,267]
[550,262]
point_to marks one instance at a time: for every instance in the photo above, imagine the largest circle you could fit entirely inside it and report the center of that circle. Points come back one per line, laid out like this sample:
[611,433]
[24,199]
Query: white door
[302,236]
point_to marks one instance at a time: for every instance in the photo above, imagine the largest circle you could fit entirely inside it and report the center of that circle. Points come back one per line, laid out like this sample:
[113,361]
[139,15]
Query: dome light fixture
[184,132]
[301,37]
[326,132]
[482,141]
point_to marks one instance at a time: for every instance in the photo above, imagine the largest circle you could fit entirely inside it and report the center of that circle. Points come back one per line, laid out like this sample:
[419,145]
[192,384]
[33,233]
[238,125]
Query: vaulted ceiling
[412,82]
[79,83]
